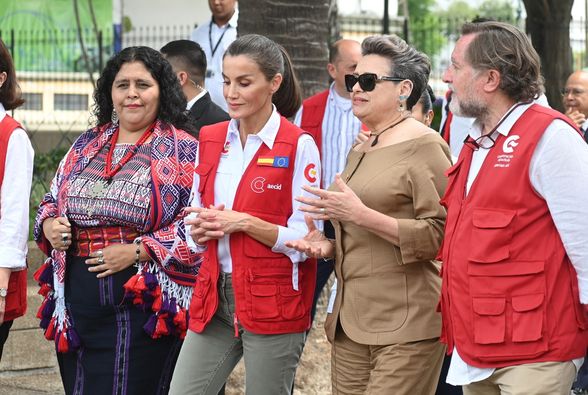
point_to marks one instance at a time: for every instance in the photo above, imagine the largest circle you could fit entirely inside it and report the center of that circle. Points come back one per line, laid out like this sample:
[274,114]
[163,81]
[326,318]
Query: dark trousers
[582,379]
[4,329]
[442,387]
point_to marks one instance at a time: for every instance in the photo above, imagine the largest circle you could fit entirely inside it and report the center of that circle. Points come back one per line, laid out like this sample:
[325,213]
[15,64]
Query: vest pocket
[508,309]
[527,317]
[491,235]
[272,297]
[264,302]
[199,294]
[489,320]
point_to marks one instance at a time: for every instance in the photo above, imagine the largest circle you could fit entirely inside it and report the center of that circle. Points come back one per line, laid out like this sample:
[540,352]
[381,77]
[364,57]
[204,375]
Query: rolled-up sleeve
[420,237]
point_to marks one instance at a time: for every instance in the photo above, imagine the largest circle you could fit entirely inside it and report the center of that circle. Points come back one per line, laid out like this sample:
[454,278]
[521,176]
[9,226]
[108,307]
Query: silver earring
[114,117]
[401,100]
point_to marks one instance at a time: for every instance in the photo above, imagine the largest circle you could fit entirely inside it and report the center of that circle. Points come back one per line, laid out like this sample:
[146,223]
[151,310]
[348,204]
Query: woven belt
[88,240]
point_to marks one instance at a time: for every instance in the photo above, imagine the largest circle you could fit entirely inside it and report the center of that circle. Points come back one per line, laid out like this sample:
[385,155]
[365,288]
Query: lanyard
[213,49]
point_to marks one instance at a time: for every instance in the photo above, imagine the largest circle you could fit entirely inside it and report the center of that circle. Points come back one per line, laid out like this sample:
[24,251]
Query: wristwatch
[3,292]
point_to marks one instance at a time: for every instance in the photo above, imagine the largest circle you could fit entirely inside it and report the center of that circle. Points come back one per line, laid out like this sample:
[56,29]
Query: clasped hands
[104,262]
[214,222]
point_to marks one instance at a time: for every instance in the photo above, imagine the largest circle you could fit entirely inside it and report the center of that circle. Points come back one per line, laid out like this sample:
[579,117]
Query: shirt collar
[268,132]
[506,124]
[343,103]
[195,99]
[585,125]
[2,112]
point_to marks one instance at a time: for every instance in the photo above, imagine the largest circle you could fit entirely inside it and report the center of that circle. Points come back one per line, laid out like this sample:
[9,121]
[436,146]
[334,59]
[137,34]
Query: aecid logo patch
[258,184]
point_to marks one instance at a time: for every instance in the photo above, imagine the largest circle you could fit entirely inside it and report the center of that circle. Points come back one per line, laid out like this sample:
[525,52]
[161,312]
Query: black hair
[172,102]
[189,56]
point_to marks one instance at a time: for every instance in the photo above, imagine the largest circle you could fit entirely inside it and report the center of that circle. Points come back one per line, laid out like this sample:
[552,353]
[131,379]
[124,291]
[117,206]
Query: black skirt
[116,355]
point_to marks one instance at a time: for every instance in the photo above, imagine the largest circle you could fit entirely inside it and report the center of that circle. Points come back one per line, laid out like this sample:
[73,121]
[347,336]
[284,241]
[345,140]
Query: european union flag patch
[274,161]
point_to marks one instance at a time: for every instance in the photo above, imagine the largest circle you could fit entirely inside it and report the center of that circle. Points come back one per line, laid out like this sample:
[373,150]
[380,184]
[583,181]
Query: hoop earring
[114,117]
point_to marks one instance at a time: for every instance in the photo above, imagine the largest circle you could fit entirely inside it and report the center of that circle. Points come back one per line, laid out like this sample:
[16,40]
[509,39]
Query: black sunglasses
[367,81]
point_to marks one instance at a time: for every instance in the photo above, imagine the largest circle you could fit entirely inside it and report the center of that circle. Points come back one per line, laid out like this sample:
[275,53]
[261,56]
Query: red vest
[510,293]
[16,300]
[312,116]
[265,301]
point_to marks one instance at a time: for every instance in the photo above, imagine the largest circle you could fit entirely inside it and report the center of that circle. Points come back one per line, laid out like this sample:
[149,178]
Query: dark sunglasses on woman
[367,81]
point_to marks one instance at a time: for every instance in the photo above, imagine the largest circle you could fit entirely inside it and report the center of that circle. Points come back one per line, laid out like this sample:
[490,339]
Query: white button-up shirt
[14,199]
[559,174]
[208,35]
[231,168]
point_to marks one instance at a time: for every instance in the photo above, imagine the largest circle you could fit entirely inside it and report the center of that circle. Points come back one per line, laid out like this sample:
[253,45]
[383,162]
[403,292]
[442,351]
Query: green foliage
[424,32]
[501,10]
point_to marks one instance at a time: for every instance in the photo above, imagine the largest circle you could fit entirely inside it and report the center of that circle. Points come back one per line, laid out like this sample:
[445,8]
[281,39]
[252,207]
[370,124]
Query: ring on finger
[99,253]
[101,260]
[64,237]
[323,210]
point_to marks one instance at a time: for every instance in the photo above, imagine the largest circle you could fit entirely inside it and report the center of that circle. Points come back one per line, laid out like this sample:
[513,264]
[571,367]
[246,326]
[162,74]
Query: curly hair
[172,102]
[406,62]
[502,47]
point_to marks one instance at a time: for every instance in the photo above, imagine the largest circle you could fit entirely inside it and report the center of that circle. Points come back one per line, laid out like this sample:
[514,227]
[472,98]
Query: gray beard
[472,109]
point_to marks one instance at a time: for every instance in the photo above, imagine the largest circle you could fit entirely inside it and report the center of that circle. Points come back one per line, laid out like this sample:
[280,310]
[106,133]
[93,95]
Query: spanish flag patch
[273,161]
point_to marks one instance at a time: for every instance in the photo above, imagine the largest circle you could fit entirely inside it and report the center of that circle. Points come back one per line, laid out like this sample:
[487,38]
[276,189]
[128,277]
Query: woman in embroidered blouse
[112,226]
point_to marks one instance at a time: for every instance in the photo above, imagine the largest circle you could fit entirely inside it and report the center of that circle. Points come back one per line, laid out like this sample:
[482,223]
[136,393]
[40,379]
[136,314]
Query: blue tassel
[149,327]
[73,339]
[150,280]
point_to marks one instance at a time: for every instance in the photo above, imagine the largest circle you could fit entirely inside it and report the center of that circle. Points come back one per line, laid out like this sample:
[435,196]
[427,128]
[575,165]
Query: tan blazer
[388,294]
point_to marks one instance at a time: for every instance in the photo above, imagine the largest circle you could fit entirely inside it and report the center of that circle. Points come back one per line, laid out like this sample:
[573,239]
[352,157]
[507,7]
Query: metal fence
[56,68]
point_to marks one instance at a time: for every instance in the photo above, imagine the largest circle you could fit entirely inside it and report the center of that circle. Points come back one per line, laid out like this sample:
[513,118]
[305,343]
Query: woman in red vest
[16,170]
[253,295]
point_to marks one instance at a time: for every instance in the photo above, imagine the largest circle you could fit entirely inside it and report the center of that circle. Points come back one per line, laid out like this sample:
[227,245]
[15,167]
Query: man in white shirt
[515,261]
[214,37]
[575,99]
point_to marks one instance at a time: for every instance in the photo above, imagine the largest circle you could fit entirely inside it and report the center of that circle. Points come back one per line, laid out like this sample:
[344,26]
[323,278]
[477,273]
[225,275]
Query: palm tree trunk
[548,24]
[302,27]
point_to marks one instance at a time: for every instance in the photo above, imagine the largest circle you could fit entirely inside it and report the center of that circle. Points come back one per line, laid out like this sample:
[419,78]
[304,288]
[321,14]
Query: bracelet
[137,243]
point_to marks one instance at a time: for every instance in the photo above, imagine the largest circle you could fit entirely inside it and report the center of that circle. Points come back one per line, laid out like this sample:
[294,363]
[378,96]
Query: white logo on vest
[257,184]
[510,144]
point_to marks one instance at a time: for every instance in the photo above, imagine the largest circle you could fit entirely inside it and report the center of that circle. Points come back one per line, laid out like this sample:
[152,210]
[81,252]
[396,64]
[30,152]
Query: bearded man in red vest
[328,117]
[515,260]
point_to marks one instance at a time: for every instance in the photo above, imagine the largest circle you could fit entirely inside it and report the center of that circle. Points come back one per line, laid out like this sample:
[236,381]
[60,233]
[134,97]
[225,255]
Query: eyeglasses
[367,81]
[485,141]
[573,92]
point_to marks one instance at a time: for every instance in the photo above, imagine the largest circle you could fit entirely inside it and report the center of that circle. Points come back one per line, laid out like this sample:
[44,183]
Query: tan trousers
[406,368]
[542,378]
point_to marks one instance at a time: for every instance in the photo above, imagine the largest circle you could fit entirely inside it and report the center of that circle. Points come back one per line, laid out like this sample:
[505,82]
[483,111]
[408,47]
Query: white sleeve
[298,117]
[14,200]
[559,173]
[194,202]
[306,172]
